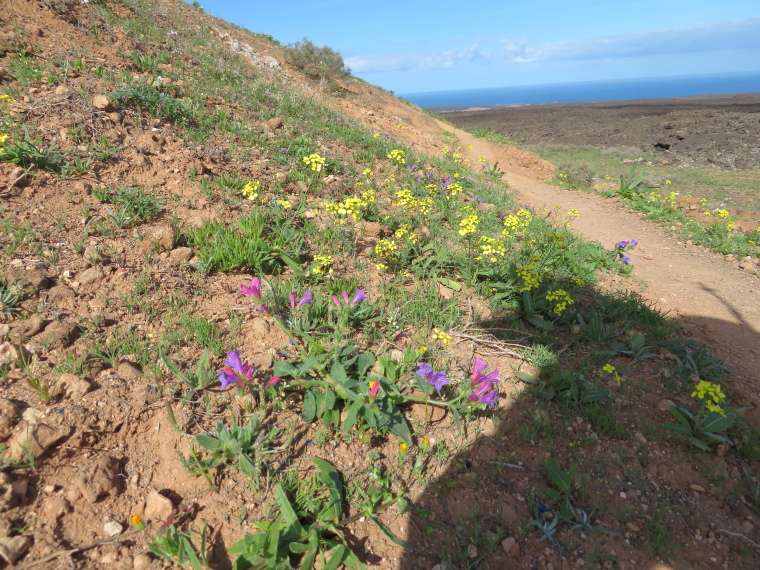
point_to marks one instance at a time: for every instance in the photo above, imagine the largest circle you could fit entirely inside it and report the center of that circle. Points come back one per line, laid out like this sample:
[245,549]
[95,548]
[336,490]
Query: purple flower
[359,296]
[621,244]
[626,260]
[235,370]
[478,367]
[634,242]
[486,394]
[436,379]
[252,290]
[417,178]
[305,298]
[429,174]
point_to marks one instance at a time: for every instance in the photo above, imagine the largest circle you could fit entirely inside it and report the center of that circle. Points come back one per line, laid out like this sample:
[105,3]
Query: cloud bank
[727,35]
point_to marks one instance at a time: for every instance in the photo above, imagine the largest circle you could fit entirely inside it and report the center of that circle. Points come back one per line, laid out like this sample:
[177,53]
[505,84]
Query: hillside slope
[238,302]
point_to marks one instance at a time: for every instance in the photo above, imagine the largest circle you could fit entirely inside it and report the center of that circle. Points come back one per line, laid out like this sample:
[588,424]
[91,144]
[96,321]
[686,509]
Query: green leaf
[715,423]
[387,532]
[596,395]
[329,399]
[338,373]
[539,322]
[309,407]
[313,548]
[558,477]
[353,412]
[208,442]
[449,283]
[285,369]
[680,428]
[336,558]
[391,417]
[331,478]
[527,378]
[699,443]
[683,416]
[422,384]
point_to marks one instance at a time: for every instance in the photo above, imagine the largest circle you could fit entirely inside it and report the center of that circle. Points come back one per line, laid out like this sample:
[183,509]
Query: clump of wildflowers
[622,246]
[398,155]
[251,190]
[385,248]
[530,277]
[351,206]
[561,299]
[235,370]
[305,298]
[469,224]
[359,296]
[438,334]
[712,396]
[314,161]
[483,384]
[253,289]
[491,248]
[322,265]
[411,204]
[436,379]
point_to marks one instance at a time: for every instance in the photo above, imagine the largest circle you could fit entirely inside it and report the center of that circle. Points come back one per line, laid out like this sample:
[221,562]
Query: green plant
[10,295]
[631,185]
[703,428]
[177,546]
[570,387]
[156,103]
[323,63]
[310,537]
[199,380]
[245,445]
[33,152]
[636,348]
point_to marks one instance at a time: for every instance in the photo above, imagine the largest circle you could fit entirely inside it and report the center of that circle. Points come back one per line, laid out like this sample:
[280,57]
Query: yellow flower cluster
[314,161]
[367,172]
[284,204]
[573,213]
[322,265]
[3,138]
[518,221]
[7,98]
[453,189]
[713,395]
[385,248]
[398,155]
[438,334]
[405,230]
[530,277]
[469,224]
[722,213]
[251,190]
[351,206]
[491,248]
[561,298]
[412,205]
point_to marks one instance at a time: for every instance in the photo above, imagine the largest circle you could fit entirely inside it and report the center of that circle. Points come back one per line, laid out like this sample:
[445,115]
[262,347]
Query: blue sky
[410,47]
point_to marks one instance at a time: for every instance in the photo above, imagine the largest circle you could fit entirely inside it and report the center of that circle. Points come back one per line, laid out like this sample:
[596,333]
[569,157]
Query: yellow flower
[402,447]
[573,213]
[251,190]
[702,389]
[367,172]
[285,204]
[314,161]
[438,334]
[608,368]
[398,155]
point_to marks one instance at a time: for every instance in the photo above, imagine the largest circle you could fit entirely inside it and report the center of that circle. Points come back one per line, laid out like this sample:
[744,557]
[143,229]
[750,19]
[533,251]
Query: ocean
[618,90]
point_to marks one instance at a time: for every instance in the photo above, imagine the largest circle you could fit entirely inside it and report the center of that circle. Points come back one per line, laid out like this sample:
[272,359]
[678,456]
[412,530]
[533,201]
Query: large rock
[35,438]
[100,478]
[11,549]
[8,416]
[158,507]
[162,235]
[90,276]
[71,386]
[59,334]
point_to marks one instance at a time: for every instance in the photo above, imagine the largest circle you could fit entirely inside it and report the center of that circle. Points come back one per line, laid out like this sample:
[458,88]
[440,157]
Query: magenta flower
[374,387]
[235,370]
[252,290]
[359,296]
[486,394]
[478,367]
[436,379]
[305,298]
[273,380]
[336,301]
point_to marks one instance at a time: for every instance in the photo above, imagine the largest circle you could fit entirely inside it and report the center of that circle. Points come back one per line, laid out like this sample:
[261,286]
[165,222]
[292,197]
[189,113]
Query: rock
[372,230]
[128,370]
[55,507]
[59,334]
[101,478]
[472,551]
[262,361]
[163,235]
[19,487]
[8,416]
[10,354]
[59,293]
[37,438]
[109,558]
[648,256]
[275,123]
[747,265]
[102,102]
[11,549]
[664,405]
[445,292]
[28,328]
[91,254]
[158,507]
[142,561]
[510,546]
[181,254]
[697,488]
[71,386]
[62,90]
[431,414]
[440,566]
[4,330]
[89,276]
[149,395]
[113,528]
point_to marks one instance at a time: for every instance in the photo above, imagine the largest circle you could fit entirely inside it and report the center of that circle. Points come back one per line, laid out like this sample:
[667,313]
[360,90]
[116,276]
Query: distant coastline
[601,93]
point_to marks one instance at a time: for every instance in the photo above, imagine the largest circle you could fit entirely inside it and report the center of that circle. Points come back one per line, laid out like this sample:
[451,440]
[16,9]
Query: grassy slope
[438,267]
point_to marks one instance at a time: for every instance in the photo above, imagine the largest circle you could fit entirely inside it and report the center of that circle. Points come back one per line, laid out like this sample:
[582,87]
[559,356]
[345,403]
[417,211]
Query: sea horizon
[707,85]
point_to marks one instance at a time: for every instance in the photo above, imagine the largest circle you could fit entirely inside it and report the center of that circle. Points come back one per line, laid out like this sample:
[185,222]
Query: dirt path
[716,301]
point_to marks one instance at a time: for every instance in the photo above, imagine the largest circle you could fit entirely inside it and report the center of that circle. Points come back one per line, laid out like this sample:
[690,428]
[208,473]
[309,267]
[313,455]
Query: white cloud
[715,36]
[727,35]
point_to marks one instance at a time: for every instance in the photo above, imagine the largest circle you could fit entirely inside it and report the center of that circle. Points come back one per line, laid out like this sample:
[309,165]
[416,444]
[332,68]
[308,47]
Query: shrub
[323,63]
